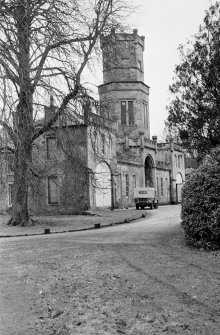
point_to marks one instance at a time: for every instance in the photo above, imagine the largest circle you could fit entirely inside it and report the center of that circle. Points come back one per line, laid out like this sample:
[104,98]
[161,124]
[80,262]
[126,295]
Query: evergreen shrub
[200,211]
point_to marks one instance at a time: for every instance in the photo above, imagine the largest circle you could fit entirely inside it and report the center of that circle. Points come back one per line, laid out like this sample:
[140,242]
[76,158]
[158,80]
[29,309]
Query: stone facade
[82,168]
[141,161]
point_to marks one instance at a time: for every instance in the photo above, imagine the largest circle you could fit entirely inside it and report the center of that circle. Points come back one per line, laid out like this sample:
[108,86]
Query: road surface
[136,278]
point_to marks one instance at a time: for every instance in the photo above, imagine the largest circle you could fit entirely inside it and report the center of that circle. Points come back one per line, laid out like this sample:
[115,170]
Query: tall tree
[44,47]
[195,93]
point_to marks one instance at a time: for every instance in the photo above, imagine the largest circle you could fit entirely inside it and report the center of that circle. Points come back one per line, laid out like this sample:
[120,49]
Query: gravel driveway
[136,279]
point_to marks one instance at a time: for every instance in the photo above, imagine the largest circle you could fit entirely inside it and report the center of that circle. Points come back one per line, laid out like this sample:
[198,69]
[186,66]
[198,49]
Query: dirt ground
[134,279]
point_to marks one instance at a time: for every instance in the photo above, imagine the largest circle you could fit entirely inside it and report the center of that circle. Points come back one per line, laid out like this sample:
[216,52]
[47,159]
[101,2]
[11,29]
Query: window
[134,181]
[176,160]
[145,116]
[123,112]
[139,65]
[110,147]
[10,194]
[103,143]
[127,112]
[119,186]
[179,161]
[161,187]
[53,190]
[51,147]
[166,187]
[158,187]
[127,185]
[10,164]
[131,112]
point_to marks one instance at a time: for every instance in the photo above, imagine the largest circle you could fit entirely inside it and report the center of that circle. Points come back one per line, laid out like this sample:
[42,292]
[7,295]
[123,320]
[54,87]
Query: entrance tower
[123,94]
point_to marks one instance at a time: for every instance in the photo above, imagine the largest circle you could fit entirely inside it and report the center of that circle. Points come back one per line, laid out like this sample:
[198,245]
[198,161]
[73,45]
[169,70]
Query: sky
[165,24]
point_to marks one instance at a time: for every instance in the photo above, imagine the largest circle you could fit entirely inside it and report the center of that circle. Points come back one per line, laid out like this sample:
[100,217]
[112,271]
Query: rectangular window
[103,143]
[131,112]
[145,114]
[10,164]
[123,112]
[51,145]
[179,162]
[10,194]
[119,186]
[127,185]
[158,188]
[134,182]
[127,112]
[110,147]
[166,187]
[161,187]
[53,190]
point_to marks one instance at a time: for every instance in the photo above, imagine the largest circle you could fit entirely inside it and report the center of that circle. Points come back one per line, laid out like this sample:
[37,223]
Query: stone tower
[123,95]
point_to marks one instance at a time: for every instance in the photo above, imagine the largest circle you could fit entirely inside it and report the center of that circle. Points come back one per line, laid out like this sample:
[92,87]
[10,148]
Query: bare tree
[44,47]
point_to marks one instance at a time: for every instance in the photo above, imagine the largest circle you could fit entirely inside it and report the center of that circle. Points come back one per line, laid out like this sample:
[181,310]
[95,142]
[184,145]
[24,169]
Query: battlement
[113,37]
[123,57]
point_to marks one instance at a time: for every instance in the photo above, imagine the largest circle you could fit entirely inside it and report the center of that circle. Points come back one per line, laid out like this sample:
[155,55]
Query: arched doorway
[103,189]
[179,186]
[148,172]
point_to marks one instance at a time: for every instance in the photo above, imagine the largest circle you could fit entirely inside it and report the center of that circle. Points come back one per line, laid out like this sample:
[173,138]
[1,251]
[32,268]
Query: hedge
[200,212]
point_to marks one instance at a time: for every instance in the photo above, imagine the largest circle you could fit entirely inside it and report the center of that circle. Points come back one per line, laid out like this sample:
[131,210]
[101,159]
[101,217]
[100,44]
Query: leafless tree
[45,46]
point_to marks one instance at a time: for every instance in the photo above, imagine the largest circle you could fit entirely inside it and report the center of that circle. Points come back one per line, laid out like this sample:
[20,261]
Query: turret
[124,90]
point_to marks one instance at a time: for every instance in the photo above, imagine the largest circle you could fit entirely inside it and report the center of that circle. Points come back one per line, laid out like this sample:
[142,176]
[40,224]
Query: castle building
[108,165]
[140,160]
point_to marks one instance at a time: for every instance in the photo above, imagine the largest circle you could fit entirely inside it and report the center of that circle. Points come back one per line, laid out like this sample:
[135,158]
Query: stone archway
[103,188]
[149,172]
[179,186]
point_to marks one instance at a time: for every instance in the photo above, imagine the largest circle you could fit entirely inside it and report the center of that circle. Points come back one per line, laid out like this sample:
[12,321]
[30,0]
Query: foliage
[201,204]
[195,92]
[45,46]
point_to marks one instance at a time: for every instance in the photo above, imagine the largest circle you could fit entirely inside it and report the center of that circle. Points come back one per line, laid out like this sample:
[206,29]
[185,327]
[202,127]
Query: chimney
[49,111]
[154,138]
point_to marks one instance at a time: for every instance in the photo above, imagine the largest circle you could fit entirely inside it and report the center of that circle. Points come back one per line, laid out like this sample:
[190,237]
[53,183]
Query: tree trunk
[20,214]
[23,119]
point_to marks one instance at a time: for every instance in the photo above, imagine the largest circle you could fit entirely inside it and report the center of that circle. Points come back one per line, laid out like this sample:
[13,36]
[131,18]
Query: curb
[126,221]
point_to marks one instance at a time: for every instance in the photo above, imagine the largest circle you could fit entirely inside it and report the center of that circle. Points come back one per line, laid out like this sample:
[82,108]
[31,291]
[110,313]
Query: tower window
[145,114]
[131,112]
[123,112]
[139,65]
[127,112]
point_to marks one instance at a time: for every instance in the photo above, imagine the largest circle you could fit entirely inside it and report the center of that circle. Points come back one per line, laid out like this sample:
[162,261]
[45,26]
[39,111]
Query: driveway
[137,278]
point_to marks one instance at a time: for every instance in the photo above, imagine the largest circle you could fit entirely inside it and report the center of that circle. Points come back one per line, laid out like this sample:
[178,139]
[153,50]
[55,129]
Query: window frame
[127,114]
[127,185]
[10,196]
[161,187]
[51,156]
[49,202]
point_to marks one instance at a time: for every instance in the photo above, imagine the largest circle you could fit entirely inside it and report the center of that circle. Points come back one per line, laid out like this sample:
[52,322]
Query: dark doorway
[148,168]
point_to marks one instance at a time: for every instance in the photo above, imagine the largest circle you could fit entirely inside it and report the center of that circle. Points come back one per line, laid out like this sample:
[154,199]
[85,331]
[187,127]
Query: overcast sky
[165,24]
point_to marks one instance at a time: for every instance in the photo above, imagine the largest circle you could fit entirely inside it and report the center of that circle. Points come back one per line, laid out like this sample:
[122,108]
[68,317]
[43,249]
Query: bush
[200,212]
